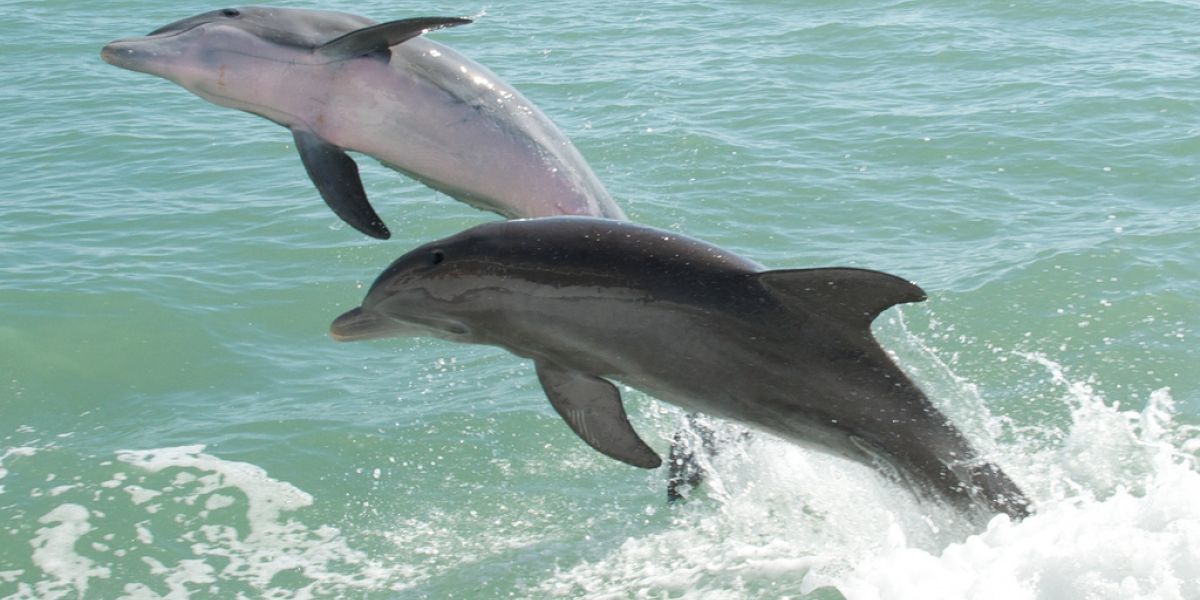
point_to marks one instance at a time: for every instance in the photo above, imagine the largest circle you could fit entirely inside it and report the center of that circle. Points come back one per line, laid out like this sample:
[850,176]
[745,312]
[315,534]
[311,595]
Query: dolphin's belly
[739,403]
[722,366]
[749,370]
[752,397]
[451,124]
[754,369]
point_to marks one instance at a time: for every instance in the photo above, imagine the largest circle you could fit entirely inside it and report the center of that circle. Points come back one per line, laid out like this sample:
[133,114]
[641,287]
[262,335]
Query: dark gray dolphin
[342,82]
[592,301]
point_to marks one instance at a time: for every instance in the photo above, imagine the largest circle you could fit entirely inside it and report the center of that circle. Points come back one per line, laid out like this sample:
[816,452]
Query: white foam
[141,495]
[267,498]
[273,544]
[217,501]
[62,489]
[143,533]
[116,481]
[54,553]
[18,451]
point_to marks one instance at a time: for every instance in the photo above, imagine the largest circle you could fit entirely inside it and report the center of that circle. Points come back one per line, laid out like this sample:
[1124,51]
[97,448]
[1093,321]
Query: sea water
[175,422]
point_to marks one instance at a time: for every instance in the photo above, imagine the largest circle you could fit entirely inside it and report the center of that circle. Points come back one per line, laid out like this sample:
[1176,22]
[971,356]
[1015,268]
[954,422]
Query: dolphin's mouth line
[159,32]
[442,325]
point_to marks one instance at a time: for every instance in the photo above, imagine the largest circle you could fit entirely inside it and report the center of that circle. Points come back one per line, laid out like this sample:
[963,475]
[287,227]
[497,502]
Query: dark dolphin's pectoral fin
[336,177]
[855,296]
[592,407]
[383,36]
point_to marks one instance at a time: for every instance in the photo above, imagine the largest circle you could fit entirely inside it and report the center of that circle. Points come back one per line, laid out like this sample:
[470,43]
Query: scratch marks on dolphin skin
[579,417]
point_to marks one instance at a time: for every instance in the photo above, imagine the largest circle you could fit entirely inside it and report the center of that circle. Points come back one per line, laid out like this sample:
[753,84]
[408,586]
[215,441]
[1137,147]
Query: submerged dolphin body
[341,82]
[592,301]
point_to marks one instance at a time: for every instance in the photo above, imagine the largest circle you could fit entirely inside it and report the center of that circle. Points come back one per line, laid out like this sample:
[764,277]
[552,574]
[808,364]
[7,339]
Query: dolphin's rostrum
[342,82]
[592,301]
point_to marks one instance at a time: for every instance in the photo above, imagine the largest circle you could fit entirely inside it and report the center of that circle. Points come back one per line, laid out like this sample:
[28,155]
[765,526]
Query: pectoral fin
[383,36]
[336,177]
[592,407]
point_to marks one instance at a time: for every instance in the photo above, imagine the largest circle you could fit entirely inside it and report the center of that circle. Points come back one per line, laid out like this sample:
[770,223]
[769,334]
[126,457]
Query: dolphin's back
[638,254]
[553,178]
[299,28]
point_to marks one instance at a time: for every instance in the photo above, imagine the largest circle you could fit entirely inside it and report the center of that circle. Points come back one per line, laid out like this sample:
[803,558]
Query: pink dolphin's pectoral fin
[336,177]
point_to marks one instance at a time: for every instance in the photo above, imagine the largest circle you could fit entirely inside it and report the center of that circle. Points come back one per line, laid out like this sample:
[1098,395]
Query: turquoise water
[175,422]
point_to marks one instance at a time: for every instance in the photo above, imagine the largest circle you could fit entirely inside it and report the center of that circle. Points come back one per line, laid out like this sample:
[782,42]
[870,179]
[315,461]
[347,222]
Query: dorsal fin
[383,36]
[855,296]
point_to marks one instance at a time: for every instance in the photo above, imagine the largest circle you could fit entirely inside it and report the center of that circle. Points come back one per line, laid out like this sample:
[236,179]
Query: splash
[1117,518]
[1124,547]
[1122,521]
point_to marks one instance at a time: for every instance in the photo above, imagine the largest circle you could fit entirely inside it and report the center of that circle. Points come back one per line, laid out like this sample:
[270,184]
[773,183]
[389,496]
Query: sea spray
[1118,520]
[1099,537]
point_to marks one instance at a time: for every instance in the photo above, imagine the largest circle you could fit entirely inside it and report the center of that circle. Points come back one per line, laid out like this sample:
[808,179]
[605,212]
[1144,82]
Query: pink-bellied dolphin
[342,82]
[592,301]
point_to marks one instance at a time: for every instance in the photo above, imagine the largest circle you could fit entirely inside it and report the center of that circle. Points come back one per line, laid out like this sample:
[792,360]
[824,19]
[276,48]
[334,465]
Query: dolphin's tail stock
[992,487]
[961,478]
[925,450]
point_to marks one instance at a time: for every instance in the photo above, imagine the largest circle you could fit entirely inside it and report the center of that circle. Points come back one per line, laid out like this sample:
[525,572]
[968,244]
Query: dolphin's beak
[112,53]
[129,54]
[153,54]
[134,53]
[359,324]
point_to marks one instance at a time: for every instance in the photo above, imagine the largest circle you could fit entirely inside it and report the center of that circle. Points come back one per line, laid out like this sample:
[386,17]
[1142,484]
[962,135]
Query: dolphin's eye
[231,12]
[437,257]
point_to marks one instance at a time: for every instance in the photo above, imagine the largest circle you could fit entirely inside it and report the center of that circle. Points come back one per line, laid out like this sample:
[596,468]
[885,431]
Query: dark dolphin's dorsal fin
[336,177]
[592,407]
[383,36]
[855,296]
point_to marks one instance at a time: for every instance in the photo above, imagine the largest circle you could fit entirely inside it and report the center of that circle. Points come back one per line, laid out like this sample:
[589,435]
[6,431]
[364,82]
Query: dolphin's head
[458,288]
[437,290]
[487,281]
[230,56]
[190,51]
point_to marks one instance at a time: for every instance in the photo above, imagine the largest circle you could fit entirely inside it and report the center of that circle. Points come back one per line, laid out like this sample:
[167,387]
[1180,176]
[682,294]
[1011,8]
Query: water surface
[174,421]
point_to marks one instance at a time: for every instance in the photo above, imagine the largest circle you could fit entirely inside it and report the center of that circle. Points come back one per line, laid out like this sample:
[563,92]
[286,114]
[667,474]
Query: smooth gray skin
[789,351]
[413,104]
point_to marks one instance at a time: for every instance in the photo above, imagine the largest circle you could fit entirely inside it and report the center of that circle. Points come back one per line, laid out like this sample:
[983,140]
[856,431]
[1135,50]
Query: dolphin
[342,82]
[594,301]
